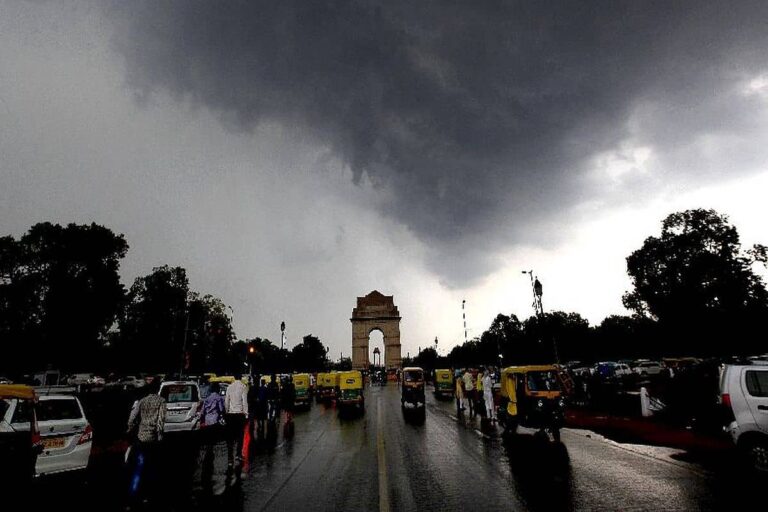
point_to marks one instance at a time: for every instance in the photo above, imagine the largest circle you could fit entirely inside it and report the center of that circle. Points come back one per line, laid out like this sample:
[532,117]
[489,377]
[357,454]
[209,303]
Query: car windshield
[543,381]
[58,409]
[413,376]
[174,393]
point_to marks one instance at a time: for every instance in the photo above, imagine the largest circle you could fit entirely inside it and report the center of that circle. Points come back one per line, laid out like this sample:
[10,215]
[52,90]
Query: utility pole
[282,335]
[538,307]
[464,317]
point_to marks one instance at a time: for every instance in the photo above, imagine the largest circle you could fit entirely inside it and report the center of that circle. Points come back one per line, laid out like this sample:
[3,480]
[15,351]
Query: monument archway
[375,311]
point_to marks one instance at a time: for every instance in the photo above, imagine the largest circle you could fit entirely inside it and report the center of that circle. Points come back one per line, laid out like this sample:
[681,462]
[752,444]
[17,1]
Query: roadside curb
[647,451]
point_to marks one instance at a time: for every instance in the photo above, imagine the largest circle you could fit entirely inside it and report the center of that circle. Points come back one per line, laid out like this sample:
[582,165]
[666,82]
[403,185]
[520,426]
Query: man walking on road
[236,407]
[145,427]
[490,412]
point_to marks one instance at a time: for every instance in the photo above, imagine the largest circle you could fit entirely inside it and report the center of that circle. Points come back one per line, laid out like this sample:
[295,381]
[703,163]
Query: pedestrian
[262,407]
[213,410]
[205,387]
[273,398]
[469,391]
[145,429]
[490,411]
[253,405]
[236,414]
[459,395]
[288,399]
[479,393]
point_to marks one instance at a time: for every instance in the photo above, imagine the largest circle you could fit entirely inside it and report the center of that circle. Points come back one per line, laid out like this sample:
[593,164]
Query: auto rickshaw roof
[530,368]
[413,369]
[350,374]
[17,391]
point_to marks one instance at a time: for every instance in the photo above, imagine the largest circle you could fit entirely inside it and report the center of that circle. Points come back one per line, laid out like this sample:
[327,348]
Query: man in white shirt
[488,395]
[235,416]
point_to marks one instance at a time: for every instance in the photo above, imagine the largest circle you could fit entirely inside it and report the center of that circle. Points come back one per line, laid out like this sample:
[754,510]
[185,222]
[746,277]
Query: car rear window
[757,383]
[4,405]
[24,412]
[179,393]
[68,409]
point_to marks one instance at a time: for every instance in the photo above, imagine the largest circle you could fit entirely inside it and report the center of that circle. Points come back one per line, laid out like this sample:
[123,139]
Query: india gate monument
[375,312]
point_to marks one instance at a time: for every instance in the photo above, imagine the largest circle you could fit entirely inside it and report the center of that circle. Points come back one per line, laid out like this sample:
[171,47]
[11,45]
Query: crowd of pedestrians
[242,412]
[474,392]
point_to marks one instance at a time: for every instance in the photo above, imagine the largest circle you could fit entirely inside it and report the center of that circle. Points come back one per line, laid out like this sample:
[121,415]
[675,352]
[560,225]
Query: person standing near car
[236,415]
[145,428]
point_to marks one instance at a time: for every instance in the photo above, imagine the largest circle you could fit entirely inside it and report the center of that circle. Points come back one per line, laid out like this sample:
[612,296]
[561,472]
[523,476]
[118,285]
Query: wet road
[387,460]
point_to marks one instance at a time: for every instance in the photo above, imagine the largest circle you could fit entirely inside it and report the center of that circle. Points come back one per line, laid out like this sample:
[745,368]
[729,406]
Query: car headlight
[540,404]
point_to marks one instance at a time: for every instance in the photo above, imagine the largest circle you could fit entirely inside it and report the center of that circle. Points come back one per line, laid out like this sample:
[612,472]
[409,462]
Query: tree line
[62,305]
[695,293]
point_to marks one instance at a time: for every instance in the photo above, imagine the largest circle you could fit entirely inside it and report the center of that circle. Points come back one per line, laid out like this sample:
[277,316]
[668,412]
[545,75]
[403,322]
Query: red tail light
[727,400]
[36,439]
[86,436]
[728,415]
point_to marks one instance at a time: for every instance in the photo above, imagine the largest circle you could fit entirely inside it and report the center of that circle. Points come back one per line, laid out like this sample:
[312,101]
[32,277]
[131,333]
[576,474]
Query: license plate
[53,442]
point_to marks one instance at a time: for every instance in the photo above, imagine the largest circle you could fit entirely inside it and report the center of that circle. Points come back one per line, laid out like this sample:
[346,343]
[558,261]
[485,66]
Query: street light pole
[538,307]
[464,317]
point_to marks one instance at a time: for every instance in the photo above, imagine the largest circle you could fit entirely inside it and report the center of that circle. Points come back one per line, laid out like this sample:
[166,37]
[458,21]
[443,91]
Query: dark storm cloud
[480,116]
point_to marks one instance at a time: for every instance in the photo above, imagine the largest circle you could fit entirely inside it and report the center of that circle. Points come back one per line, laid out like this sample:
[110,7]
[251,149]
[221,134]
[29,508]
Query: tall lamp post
[538,307]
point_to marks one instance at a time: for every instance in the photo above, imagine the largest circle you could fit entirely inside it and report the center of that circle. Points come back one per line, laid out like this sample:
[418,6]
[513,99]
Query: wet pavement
[387,459]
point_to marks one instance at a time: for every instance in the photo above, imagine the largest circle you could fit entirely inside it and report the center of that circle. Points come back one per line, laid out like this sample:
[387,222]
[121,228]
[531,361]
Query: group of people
[243,410]
[474,393]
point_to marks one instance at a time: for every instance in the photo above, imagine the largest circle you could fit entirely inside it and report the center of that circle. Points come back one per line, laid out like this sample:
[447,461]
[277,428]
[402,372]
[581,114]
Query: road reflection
[541,470]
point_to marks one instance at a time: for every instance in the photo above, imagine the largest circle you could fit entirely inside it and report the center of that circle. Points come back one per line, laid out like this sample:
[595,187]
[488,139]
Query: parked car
[645,368]
[744,396]
[67,435]
[132,382]
[608,369]
[20,442]
[182,405]
[78,379]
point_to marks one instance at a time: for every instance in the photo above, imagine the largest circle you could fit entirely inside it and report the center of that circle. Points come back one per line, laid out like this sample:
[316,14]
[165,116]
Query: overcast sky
[294,155]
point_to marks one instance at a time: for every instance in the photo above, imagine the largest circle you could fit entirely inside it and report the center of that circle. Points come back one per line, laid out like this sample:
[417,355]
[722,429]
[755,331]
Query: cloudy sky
[293,155]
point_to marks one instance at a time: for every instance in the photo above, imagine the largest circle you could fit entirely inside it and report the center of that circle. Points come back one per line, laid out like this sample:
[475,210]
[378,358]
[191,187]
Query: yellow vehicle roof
[413,369]
[531,368]
[301,377]
[355,376]
[17,391]
[229,379]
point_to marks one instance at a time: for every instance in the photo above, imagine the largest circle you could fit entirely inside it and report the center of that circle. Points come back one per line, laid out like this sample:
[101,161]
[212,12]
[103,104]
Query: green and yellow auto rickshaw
[329,382]
[413,388]
[532,397]
[301,385]
[444,383]
[350,393]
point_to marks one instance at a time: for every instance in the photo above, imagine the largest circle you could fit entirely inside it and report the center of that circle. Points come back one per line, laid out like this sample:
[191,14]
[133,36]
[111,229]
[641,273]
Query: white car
[78,379]
[744,395]
[648,368]
[66,434]
[182,405]
[132,381]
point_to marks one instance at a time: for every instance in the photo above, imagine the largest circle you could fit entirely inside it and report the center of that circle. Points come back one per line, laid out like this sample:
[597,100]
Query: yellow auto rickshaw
[413,387]
[531,396]
[301,384]
[350,393]
[329,385]
[443,383]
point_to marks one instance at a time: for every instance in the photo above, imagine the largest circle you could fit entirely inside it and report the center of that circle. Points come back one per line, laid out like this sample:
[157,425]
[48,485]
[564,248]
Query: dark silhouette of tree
[624,337]
[698,283]
[426,359]
[309,355]
[60,293]
[569,332]
[152,328]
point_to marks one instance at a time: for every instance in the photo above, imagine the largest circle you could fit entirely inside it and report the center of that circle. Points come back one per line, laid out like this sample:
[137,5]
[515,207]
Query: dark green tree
[568,334]
[60,293]
[309,355]
[698,283]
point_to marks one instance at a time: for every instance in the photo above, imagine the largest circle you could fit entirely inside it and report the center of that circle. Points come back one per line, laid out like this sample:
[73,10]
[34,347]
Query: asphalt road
[387,460]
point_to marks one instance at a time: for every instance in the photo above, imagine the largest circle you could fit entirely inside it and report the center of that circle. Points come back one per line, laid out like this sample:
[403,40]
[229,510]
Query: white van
[744,396]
